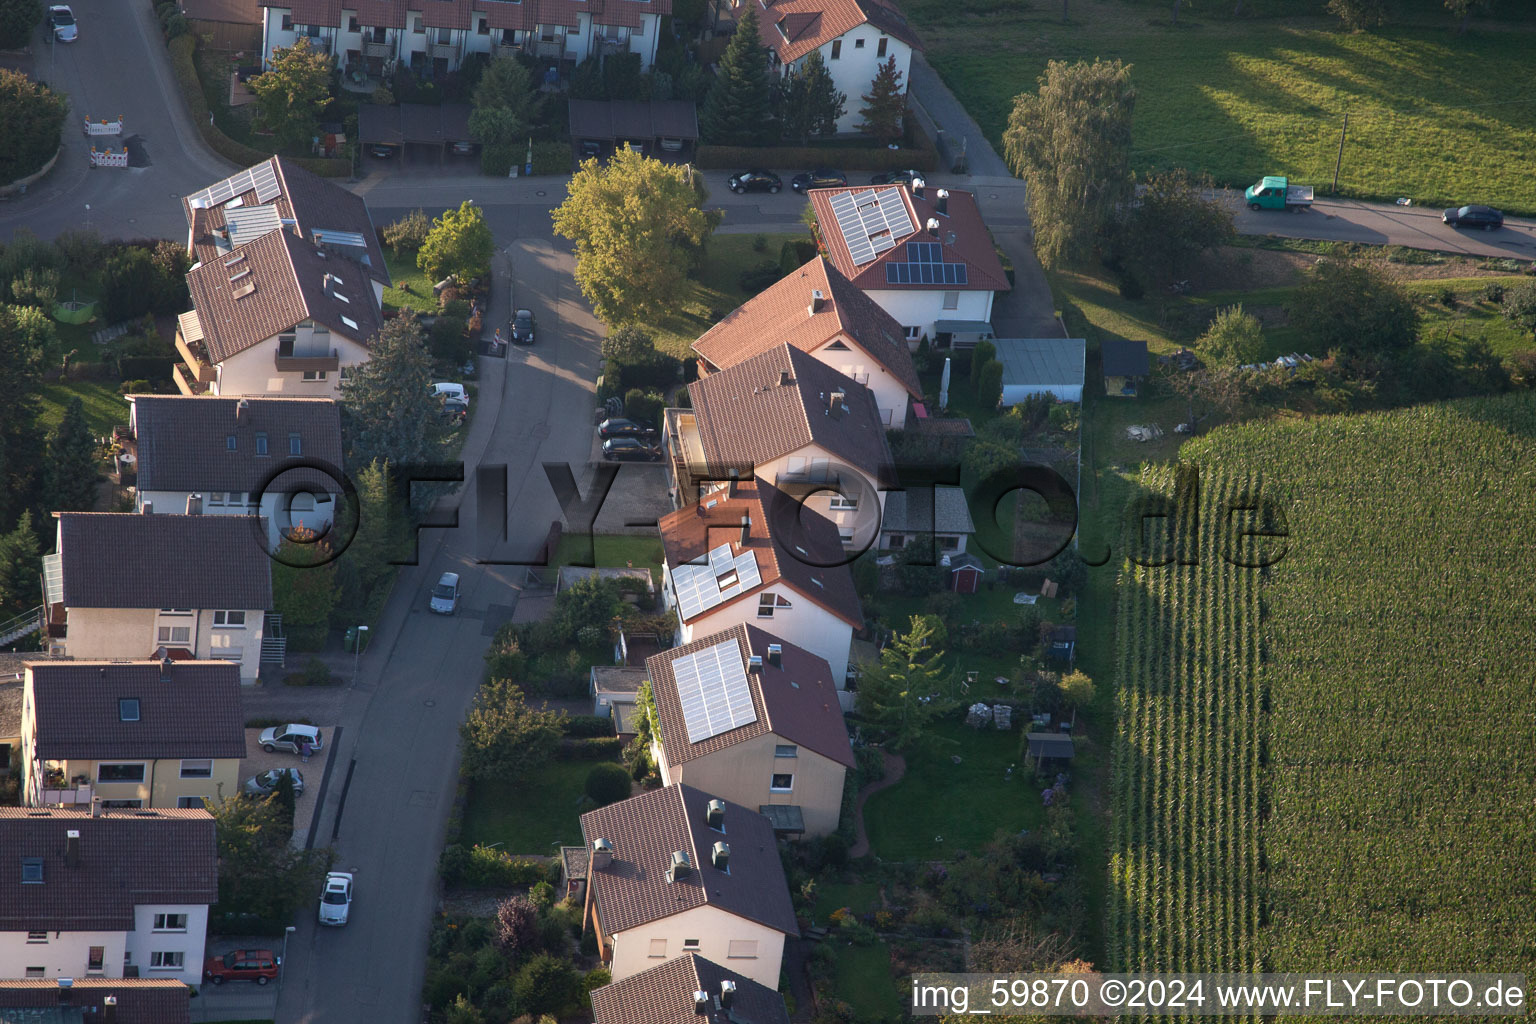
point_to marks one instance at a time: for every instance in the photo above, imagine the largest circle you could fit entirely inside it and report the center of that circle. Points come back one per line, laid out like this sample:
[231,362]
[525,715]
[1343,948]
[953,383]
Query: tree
[1520,305]
[1464,9]
[548,984]
[17,20]
[70,474]
[1076,691]
[1171,223]
[1235,338]
[884,106]
[459,244]
[637,224]
[908,689]
[377,523]
[736,113]
[171,262]
[304,588]
[129,280]
[22,354]
[506,84]
[811,101]
[259,871]
[463,1011]
[32,113]
[1071,143]
[291,93]
[989,384]
[1358,15]
[629,346]
[390,413]
[1354,309]
[505,739]
[517,925]
[981,355]
[607,783]
[19,563]
[689,14]
[406,235]
[494,126]
[37,287]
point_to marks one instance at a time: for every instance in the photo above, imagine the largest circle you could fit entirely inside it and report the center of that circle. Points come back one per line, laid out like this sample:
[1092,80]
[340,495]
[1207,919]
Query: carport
[421,125]
[670,126]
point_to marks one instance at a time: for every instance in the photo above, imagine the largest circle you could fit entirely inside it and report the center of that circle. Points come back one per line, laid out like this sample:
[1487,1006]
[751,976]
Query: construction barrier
[108,158]
[104,127]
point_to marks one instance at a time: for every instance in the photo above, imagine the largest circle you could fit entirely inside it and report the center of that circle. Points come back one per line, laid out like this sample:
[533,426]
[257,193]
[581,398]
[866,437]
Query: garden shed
[965,572]
[1044,745]
[1125,366]
[1063,644]
[1042,366]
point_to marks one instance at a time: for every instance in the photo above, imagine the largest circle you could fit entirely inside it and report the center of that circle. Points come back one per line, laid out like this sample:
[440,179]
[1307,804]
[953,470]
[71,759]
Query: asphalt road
[1416,227]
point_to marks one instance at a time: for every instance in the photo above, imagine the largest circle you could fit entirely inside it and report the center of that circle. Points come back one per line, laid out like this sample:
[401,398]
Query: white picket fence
[104,127]
[108,158]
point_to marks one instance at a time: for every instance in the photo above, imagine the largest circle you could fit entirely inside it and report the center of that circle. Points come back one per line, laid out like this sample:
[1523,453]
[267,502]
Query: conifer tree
[71,468]
[736,113]
[885,105]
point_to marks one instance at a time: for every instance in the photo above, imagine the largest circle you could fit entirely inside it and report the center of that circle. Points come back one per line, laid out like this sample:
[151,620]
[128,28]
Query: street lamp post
[282,961]
[357,649]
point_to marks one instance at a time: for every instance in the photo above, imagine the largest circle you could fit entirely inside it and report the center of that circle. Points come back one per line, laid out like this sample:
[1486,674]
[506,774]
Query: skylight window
[32,870]
[128,709]
[349,322]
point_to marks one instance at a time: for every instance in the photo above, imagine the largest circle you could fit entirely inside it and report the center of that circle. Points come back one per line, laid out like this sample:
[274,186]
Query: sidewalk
[946,113]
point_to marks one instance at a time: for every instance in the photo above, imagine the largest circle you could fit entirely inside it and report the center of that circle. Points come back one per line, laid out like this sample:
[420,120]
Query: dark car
[821,177]
[381,152]
[755,180]
[614,427]
[890,177]
[1485,217]
[630,449]
[258,965]
[591,148]
[522,327]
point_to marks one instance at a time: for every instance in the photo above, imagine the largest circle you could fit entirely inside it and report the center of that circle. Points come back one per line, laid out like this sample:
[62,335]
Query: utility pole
[1339,162]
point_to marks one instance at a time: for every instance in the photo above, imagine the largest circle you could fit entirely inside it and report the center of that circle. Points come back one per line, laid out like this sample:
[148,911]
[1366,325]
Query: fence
[104,127]
[108,158]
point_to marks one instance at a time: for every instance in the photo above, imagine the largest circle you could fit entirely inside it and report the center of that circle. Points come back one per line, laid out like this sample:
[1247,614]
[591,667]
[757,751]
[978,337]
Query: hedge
[589,748]
[589,725]
[485,867]
[844,157]
[551,158]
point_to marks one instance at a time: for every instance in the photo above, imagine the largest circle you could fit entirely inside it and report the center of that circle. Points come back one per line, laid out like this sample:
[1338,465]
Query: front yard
[411,288]
[716,289]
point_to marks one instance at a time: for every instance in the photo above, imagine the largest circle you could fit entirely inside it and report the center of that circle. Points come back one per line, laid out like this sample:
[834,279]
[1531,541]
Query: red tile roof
[962,233]
[664,995]
[797,701]
[793,28]
[647,829]
[139,1000]
[783,315]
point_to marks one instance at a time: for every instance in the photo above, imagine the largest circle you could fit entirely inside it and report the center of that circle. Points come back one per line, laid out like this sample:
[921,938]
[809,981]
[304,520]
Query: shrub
[315,673]
[406,235]
[755,279]
[759,243]
[589,748]
[547,984]
[448,341]
[517,926]
[1448,298]
[589,725]
[1493,292]
[459,308]
[608,783]
[382,97]
[644,406]
[551,158]
[483,867]
[794,254]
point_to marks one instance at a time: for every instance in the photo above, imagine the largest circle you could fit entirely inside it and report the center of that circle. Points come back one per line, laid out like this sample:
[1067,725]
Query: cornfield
[1330,764]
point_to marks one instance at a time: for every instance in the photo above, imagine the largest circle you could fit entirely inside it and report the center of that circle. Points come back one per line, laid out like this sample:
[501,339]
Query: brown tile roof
[793,28]
[291,286]
[128,560]
[443,13]
[746,417]
[645,830]
[796,701]
[183,442]
[139,1000]
[237,12]
[312,202]
[818,570]
[381,13]
[316,12]
[514,14]
[195,715]
[128,858]
[971,243]
[664,995]
[782,315]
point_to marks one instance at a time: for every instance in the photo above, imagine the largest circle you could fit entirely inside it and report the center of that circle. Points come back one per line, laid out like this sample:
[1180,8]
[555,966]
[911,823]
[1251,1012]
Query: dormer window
[229,443]
[32,870]
[128,709]
[261,444]
[295,445]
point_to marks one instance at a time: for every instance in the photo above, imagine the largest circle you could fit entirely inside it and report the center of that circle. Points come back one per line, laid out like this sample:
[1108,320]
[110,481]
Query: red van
[258,965]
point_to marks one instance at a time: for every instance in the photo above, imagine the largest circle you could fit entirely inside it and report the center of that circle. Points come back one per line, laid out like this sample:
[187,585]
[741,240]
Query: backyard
[716,288]
[103,401]
[532,815]
[610,550]
[410,288]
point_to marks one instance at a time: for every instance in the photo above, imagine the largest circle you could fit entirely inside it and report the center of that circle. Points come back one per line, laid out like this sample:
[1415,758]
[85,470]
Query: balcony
[187,382]
[379,49]
[443,51]
[685,455]
[65,797]
[609,47]
[551,49]
[289,362]
[506,50]
[189,342]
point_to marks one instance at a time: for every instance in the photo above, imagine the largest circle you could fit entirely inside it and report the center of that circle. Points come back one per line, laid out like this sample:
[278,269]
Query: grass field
[533,815]
[1312,764]
[404,273]
[104,405]
[863,978]
[1433,116]
[613,550]
[715,290]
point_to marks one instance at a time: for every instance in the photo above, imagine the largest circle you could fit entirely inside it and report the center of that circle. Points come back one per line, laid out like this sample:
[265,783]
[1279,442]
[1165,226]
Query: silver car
[445,596]
[266,783]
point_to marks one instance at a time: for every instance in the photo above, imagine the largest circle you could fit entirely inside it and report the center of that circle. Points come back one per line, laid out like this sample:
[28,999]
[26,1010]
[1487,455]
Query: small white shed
[1038,366]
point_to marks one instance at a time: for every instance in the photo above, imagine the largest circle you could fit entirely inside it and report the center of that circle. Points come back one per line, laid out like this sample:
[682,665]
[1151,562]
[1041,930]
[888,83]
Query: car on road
[336,898]
[258,965]
[266,783]
[821,177]
[382,152]
[445,595]
[890,177]
[522,327]
[630,449]
[62,20]
[291,737]
[756,180]
[447,390]
[616,427]
[1485,217]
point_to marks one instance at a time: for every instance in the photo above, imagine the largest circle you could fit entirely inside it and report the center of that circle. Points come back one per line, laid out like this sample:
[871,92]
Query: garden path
[895,768]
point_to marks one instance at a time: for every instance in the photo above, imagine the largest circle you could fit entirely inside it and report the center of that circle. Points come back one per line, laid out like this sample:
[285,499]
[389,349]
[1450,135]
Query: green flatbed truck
[1276,193]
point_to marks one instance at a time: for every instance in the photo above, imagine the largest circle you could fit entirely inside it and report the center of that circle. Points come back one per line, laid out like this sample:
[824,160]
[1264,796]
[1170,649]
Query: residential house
[917,513]
[818,311]
[131,734]
[279,458]
[855,38]
[432,37]
[688,990]
[676,871]
[924,255]
[1125,365]
[127,585]
[613,685]
[109,1000]
[750,553]
[794,421]
[287,288]
[1042,366]
[756,720]
[91,893]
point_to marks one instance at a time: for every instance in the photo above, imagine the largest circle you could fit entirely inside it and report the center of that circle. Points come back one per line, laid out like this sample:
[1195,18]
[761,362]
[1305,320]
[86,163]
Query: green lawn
[104,404]
[404,273]
[863,979]
[860,897]
[715,290]
[965,804]
[1434,116]
[612,550]
[533,815]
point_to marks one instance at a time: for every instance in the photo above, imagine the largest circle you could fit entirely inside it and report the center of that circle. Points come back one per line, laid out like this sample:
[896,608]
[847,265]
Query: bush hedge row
[589,748]
[847,158]
[485,867]
[589,725]
[551,158]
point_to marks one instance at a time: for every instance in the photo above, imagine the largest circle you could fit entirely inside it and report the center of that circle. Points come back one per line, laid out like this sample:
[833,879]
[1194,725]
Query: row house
[675,872]
[133,585]
[278,458]
[819,312]
[924,255]
[433,37]
[688,990]
[751,553]
[131,734]
[93,893]
[287,287]
[755,719]
[110,1000]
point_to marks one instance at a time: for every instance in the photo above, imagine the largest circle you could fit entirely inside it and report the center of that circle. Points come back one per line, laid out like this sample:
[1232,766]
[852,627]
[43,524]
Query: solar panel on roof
[712,688]
[329,236]
[925,273]
[264,176]
[924,252]
[870,222]
[698,587]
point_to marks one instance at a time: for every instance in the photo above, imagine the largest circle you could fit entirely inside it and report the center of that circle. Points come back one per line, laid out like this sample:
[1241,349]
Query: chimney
[727,993]
[933,226]
[720,856]
[242,410]
[194,504]
[785,380]
[838,404]
[681,867]
[701,1002]
[746,530]
[165,668]
[110,1004]
[65,984]
[72,848]
[95,806]
[148,508]
[714,815]
[776,655]
[816,301]
[918,184]
[755,664]
[943,207]
[602,854]
[949,238]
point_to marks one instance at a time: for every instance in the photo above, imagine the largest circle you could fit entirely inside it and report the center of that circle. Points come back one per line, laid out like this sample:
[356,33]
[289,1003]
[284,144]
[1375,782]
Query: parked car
[670,144]
[616,427]
[455,409]
[821,177]
[591,148]
[522,327]
[289,738]
[62,20]
[888,177]
[1485,217]
[381,152]
[756,180]
[258,965]
[464,148]
[449,390]
[336,898]
[445,596]
[630,449]
[265,784]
